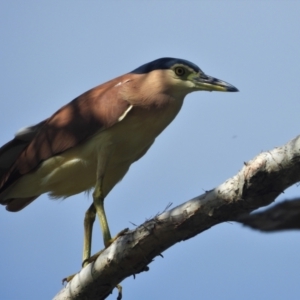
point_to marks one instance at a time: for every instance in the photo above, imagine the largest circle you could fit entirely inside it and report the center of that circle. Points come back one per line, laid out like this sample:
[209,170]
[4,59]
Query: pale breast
[118,147]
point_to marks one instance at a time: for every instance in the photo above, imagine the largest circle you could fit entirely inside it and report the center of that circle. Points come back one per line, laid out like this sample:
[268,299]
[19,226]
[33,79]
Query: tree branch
[283,216]
[258,184]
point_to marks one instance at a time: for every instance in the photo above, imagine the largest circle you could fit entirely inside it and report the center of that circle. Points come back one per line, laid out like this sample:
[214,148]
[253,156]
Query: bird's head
[182,76]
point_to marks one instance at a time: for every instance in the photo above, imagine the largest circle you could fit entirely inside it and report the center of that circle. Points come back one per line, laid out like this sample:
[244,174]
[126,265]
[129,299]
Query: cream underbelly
[74,171]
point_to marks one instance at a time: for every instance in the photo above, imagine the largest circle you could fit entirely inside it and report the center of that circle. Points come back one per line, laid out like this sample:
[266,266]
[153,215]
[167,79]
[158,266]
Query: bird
[91,142]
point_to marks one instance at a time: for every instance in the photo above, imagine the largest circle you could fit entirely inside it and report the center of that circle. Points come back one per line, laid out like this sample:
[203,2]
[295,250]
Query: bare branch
[258,184]
[283,216]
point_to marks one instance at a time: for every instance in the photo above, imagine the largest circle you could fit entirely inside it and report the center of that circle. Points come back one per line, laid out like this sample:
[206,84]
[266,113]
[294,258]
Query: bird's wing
[11,150]
[95,110]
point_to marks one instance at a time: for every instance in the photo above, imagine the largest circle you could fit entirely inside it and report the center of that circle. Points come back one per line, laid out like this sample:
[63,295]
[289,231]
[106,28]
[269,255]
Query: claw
[95,256]
[122,232]
[68,279]
[119,287]
[92,258]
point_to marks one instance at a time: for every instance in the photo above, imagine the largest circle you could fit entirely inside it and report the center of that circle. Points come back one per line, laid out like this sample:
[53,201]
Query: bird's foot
[122,232]
[107,244]
[95,256]
[119,288]
[68,279]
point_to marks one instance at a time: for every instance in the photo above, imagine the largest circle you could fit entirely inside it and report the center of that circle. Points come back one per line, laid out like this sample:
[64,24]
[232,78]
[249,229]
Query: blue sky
[53,51]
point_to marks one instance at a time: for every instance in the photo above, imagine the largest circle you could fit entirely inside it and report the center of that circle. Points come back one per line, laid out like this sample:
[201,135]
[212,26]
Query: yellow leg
[96,208]
[99,206]
[89,219]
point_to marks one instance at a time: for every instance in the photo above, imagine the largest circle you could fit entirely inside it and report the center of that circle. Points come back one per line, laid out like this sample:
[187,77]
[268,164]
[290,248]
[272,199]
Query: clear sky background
[53,51]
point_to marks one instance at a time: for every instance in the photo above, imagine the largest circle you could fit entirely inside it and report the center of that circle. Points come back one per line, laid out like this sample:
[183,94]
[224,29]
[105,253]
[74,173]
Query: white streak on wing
[22,130]
[119,83]
[125,113]
[26,133]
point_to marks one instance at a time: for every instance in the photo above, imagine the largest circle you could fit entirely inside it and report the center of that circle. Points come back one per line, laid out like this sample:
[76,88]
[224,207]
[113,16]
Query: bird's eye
[179,71]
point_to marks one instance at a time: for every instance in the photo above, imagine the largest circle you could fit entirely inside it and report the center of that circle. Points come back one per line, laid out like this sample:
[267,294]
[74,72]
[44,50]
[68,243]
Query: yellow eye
[179,71]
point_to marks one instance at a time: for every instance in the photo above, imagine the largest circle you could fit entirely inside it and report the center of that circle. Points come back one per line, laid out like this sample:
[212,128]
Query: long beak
[208,83]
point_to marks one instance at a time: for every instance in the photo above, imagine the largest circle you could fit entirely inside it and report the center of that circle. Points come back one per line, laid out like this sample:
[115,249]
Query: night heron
[92,141]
